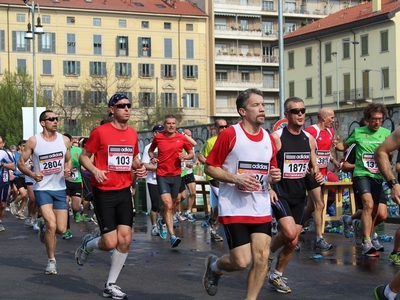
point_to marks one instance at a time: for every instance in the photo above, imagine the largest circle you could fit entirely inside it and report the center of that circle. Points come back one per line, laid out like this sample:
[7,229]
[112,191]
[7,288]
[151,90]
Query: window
[144,44]
[268,80]
[290,7]
[98,68]
[385,74]
[189,49]
[47,42]
[268,5]
[97,44]
[48,97]
[146,99]
[346,50]
[269,108]
[146,70]
[70,20]
[21,66]
[96,22]
[384,41]
[123,69]
[328,86]
[20,17]
[308,56]
[268,27]
[364,45]
[190,71]
[328,52]
[168,71]
[19,43]
[72,98]
[122,23]
[98,98]
[145,24]
[2,41]
[290,27]
[71,43]
[167,48]
[189,27]
[221,76]
[73,126]
[291,60]
[291,89]
[122,46]
[191,100]
[244,24]
[221,101]
[169,100]
[46,19]
[46,67]
[71,67]
[309,88]
[245,75]
[167,25]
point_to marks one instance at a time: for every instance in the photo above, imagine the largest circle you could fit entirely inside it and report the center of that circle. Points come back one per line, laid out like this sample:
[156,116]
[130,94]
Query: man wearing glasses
[51,159]
[324,136]
[366,176]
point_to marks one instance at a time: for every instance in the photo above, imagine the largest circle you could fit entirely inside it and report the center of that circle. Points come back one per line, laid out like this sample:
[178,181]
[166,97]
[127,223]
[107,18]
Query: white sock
[215,268]
[389,294]
[51,259]
[117,262]
[93,244]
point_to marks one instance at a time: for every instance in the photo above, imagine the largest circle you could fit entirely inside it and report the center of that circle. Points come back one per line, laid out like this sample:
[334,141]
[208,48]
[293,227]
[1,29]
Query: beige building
[348,59]
[152,50]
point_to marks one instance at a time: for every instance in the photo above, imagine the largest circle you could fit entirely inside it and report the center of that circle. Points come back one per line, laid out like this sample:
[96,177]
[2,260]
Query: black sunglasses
[222,126]
[296,111]
[51,119]
[123,105]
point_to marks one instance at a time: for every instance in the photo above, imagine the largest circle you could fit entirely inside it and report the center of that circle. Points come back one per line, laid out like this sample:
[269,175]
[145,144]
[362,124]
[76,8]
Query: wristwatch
[392,182]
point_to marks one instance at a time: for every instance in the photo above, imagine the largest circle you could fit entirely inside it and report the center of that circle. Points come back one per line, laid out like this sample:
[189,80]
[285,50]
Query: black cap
[115,98]
[158,128]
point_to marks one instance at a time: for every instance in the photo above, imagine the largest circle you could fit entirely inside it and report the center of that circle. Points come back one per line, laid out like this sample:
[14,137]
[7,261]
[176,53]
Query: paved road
[155,271]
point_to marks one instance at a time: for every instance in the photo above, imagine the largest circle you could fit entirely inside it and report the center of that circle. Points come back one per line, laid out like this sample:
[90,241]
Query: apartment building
[348,59]
[152,50]
[245,51]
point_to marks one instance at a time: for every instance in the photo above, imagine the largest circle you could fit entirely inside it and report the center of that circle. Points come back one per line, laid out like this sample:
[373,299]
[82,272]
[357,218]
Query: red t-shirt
[169,148]
[226,142]
[113,149]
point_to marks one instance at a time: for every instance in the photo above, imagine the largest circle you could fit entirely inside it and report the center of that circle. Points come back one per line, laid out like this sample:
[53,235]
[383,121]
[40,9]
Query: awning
[224,14]
[249,68]
[249,16]
[225,67]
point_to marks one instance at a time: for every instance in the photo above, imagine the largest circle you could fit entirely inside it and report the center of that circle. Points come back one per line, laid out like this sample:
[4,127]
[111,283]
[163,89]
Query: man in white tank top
[52,164]
[243,160]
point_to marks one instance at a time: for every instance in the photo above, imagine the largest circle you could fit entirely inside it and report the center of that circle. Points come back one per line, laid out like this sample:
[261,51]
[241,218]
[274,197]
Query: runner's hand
[273,196]
[275,174]
[100,175]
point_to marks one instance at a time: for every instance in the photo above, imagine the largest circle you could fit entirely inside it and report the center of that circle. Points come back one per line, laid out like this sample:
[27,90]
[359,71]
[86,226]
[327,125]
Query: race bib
[51,163]
[369,162]
[74,174]
[120,158]
[260,170]
[5,176]
[323,158]
[295,164]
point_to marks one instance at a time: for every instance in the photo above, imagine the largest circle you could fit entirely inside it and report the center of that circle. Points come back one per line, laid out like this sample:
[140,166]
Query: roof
[172,7]
[350,17]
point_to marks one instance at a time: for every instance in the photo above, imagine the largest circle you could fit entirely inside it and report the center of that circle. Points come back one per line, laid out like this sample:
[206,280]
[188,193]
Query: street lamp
[382,82]
[38,29]
[337,68]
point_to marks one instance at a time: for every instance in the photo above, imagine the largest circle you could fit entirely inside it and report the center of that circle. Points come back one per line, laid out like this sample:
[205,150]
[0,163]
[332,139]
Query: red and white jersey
[323,139]
[238,152]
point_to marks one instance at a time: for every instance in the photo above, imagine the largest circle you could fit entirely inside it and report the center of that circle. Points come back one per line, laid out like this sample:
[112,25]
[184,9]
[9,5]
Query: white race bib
[51,163]
[295,164]
[120,158]
[259,169]
[369,162]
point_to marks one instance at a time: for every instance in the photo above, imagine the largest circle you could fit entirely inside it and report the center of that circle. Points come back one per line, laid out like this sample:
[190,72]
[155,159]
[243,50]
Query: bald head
[325,112]
[326,117]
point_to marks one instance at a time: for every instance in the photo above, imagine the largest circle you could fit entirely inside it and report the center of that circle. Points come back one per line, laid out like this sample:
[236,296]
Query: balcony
[235,6]
[249,58]
[355,95]
[225,85]
[220,31]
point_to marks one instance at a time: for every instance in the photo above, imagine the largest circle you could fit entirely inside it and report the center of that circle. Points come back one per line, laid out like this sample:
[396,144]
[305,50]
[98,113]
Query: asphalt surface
[155,271]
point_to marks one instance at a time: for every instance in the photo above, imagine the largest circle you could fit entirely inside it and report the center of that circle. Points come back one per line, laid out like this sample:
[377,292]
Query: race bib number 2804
[51,163]
[120,158]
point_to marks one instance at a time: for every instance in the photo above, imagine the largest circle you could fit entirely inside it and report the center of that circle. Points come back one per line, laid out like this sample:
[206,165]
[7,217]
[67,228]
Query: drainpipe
[320,72]
[8,35]
[179,62]
[355,68]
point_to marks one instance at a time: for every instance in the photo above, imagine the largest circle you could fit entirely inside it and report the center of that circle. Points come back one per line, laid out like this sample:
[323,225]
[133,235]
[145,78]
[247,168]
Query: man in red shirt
[243,160]
[324,136]
[116,155]
[170,144]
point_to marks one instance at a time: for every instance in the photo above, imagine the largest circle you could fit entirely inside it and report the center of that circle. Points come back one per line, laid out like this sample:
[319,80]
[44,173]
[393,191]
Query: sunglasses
[52,119]
[123,105]
[223,126]
[296,111]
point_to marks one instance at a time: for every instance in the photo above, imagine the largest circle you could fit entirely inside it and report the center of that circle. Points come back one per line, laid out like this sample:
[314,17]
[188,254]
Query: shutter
[162,71]
[184,99]
[104,68]
[173,67]
[78,98]
[163,104]
[2,42]
[129,69]
[117,45]
[91,97]
[184,71]
[174,100]
[149,47]
[117,69]
[140,99]
[78,68]
[196,100]
[65,98]
[40,42]
[189,49]
[151,70]
[152,99]
[91,68]
[196,72]
[140,70]
[65,67]
[28,45]
[140,47]
[129,95]
[127,46]
[53,43]
[14,41]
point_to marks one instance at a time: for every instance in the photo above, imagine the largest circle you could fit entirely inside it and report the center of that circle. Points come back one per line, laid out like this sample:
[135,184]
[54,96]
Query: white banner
[27,121]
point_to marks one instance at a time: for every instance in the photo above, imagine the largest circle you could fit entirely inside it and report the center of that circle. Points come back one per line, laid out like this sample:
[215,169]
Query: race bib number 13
[369,162]
[120,158]
[259,169]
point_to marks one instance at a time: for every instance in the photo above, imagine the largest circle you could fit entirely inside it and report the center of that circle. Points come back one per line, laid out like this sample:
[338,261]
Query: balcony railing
[359,94]
[245,84]
[248,57]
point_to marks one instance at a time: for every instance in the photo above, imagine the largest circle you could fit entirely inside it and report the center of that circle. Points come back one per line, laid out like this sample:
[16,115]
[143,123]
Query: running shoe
[189,217]
[174,241]
[42,229]
[35,226]
[368,249]
[345,220]
[378,246]
[20,215]
[162,229]
[322,246]
[13,208]
[215,237]
[379,292]
[179,217]
[358,233]
[394,258]
[85,218]
[82,253]
[278,283]
[8,208]
[113,291]
[67,235]
[155,231]
[51,268]
[94,219]
[78,217]
[2,227]
[210,278]
[28,221]
[274,226]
